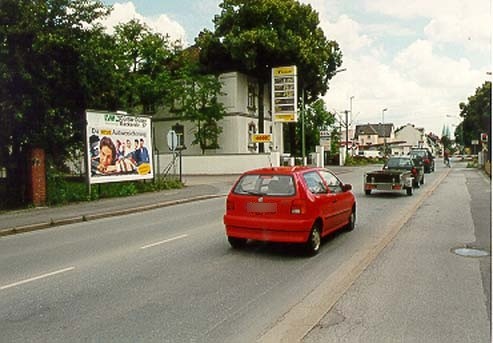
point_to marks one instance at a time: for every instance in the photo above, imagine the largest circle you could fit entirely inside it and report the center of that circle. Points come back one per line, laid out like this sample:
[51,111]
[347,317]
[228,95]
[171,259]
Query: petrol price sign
[284,94]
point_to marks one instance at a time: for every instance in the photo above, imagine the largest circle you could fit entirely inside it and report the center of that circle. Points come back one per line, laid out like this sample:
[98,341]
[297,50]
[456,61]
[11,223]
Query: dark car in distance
[399,173]
[423,157]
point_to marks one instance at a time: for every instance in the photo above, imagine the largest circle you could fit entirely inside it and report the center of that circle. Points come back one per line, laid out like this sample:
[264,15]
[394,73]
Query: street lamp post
[383,132]
[350,120]
[347,134]
[303,115]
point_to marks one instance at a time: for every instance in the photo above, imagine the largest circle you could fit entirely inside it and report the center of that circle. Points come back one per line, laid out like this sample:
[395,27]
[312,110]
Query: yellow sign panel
[290,70]
[144,169]
[285,117]
[284,94]
[261,138]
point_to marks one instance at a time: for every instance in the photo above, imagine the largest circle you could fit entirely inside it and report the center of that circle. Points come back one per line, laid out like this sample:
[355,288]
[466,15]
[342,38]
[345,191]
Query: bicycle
[446,161]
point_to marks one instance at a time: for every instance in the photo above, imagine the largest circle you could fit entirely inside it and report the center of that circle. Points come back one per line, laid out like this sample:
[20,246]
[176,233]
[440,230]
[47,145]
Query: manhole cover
[470,252]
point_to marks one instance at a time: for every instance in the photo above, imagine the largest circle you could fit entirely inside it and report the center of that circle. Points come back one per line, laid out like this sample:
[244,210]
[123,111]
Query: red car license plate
[261,207]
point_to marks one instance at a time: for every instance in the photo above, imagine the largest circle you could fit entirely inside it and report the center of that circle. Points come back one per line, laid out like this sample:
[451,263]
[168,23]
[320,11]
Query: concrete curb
[87,217]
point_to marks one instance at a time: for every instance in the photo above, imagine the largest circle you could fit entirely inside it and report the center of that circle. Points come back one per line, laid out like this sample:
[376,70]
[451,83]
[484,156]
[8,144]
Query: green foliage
[363,160]
[42,87]
[473,164]
[141,61]
[196,96]
[64,190]
[477,116]
[316,118]
[254,36]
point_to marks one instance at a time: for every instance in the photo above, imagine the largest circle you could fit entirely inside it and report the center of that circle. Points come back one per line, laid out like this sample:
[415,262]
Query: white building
[411,137]
[240,100]
[371,138]
[236,151]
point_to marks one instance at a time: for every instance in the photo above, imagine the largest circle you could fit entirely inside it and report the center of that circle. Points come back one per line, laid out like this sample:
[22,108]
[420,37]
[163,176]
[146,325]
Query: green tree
[477,116]
[42,93]
[316,118]
[255,36]
[142,59]
[196,99]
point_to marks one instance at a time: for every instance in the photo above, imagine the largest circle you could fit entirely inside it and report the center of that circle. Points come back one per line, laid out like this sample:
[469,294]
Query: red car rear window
[271,185]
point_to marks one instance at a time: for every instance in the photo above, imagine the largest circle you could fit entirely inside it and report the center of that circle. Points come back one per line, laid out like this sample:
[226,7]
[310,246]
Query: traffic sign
[172,140]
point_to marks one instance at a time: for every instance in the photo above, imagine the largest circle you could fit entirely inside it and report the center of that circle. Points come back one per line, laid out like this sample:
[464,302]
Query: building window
[180,134]
[252,129]
[252,96]
[210,135]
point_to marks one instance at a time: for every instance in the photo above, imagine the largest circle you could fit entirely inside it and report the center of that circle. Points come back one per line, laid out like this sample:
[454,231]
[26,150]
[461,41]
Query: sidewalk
[419,289]
[196,188]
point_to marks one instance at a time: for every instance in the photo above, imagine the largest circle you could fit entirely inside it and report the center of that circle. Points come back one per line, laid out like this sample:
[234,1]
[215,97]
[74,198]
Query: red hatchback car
[288,204]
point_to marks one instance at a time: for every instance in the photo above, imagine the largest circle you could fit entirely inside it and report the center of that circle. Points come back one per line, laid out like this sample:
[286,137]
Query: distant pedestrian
[446,158]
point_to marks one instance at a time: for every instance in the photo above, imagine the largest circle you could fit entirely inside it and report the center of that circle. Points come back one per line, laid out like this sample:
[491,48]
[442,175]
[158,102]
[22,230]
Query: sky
[417,59]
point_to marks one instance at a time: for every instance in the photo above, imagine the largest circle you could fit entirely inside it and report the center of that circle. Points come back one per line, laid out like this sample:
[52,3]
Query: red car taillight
[298,207]
[414,171]
[230,205]
[427,161]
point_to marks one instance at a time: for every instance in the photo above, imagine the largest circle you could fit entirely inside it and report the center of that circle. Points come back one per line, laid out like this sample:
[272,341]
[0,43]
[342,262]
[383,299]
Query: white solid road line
[165,241]
[36,278]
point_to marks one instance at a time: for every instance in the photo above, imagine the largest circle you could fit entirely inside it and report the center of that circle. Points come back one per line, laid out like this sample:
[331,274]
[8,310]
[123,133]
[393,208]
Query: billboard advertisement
[118,147]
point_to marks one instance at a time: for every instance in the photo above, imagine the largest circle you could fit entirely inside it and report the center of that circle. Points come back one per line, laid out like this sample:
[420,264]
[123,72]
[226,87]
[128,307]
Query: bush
[362,160]
[63,189]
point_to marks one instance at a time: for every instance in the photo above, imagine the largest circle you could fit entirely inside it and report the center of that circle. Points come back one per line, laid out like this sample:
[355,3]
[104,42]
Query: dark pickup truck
[398,174]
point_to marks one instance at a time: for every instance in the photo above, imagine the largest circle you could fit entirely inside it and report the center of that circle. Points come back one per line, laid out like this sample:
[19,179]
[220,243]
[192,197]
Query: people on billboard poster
[109,158]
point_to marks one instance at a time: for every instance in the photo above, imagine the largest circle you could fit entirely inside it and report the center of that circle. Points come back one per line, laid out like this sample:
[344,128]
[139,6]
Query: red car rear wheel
[314,241]
[237,243]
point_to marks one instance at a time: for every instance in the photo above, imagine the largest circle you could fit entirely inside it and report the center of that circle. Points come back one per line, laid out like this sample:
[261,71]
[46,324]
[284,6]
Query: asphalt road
[169,275]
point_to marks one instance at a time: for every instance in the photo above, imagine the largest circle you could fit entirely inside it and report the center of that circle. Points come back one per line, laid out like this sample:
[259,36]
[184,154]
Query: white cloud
[124,12]
[348,33]
[474,33]
[467,23]
[419,63]
[418,85]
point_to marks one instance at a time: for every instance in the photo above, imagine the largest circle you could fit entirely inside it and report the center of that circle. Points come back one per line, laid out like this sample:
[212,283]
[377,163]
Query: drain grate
[470,252]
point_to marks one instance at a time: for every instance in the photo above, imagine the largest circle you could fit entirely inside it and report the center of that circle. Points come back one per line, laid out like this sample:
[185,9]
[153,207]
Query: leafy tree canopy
[477,116]
[42,86]
[255,36]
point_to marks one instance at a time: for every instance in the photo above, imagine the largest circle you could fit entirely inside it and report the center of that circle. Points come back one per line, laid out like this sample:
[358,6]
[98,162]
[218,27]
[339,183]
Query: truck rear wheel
[367,191]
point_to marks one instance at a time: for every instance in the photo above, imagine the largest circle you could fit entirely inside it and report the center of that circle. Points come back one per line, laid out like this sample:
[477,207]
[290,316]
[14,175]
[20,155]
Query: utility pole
[303,125]
[347,134]
[351,121]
